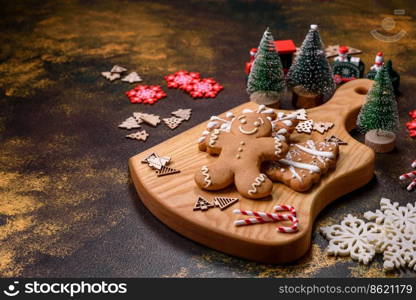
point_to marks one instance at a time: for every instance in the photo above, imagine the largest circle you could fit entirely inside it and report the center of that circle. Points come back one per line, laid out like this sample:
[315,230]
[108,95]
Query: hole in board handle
[361,90]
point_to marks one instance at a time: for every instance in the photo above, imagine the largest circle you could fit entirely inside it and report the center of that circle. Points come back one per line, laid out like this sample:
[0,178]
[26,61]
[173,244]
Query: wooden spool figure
[310,75]
[378,116]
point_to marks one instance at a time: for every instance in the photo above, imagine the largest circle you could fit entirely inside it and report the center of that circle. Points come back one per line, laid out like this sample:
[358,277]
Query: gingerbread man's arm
[272,148]
[215,140]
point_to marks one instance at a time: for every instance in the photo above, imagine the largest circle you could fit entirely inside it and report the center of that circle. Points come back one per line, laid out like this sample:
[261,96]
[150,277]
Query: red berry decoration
[412,114]
[146,94]
[204,88]
[181,79]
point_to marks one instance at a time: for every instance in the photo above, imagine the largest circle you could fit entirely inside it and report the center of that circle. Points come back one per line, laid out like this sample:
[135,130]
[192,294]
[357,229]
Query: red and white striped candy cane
[262,217]
[290,229]
[412,185]
[285,207]
[254,220]
[408,175]
[414,164]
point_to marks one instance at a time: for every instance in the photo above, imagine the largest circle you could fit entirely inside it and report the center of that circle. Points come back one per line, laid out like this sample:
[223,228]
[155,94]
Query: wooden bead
[381,141]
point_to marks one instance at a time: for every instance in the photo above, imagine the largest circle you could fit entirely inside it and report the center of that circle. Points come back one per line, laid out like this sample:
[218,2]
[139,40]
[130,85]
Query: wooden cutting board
[171,198]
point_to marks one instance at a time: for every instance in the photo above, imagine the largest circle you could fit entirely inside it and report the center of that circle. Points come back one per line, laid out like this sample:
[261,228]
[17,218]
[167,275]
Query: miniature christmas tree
[266,81]
[311,70]
[380,109]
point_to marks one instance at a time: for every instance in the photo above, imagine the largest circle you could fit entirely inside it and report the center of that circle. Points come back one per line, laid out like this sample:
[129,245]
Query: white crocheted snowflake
[351,238]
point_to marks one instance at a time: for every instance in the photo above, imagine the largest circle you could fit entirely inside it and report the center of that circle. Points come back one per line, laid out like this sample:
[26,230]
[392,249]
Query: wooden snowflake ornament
[172,122]
[146,94]
[181,79]
[392,233]
[350,238]
[139,135]
[203,88]
[184,114]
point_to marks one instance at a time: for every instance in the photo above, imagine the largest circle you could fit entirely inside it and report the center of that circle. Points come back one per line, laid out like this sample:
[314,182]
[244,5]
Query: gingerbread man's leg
[214,177]
[252,184]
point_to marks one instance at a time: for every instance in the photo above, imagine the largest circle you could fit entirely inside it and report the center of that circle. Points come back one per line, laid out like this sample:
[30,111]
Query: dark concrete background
[67,205]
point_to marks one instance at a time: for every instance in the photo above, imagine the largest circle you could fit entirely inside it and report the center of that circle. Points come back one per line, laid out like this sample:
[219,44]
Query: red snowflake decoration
[181,79]
[411,126]
[204,88]
[146,94]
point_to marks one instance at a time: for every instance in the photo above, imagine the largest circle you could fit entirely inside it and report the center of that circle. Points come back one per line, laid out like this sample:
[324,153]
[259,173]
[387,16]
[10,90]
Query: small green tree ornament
[378,116]
[266,82]
[311,72]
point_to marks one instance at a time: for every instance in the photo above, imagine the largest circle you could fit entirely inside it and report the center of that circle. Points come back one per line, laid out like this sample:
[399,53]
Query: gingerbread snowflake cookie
[242,142]
[303,165]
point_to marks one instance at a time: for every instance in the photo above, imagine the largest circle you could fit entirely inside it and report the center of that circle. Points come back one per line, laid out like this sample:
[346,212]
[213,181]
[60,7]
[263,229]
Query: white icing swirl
[257,182]
[207,178]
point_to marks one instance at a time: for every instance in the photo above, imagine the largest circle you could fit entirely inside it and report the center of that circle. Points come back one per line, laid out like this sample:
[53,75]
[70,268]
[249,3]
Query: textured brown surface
[68,207]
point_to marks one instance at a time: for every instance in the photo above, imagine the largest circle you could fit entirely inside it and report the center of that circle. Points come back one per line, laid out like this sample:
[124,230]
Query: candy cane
[412,185]
[285,207]
[251,221]
[262,217]
[414,164]
[408,175]
[289,229]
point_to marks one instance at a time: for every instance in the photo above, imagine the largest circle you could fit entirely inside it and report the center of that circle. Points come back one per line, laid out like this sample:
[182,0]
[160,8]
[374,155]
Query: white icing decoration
[212,124]
[207,178]
[261,107]
[213,138]
[267,111]
[205,132]
[215,118]
[201,139]
[246,111]
[254,130]
[316,152]
[287,122]
[257,182]
[311,168]
[282,131]
[295,174]
[229,114]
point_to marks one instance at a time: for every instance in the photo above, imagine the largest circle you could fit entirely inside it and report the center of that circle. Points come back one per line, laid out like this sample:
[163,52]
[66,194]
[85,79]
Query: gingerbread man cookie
[242,142]
[303,165]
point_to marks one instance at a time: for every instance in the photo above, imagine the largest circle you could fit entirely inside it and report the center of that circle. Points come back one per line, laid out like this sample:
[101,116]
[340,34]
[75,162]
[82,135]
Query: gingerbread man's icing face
[252,125]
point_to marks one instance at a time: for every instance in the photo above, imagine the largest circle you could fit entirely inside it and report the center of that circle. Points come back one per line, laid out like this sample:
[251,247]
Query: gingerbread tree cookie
[242,142]
[303,165]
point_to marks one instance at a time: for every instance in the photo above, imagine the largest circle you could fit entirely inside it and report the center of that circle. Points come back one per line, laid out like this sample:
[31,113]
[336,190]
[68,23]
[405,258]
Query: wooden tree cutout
[130,123]
[202,204]
[172,122]
[166,171]
[322,127]
[335,139]
[305,126]
[183,113]
[224,202]
[139,135]
[147,118]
